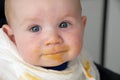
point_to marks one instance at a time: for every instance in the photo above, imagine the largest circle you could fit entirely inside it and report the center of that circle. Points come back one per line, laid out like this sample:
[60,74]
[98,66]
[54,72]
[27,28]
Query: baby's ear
[84,20]
[7,29]
[9,32]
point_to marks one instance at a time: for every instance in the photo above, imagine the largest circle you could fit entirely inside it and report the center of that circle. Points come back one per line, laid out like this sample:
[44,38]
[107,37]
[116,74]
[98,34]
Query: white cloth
[13,67]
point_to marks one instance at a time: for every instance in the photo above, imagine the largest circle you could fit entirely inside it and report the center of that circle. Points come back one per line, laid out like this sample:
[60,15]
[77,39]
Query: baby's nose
[53,39]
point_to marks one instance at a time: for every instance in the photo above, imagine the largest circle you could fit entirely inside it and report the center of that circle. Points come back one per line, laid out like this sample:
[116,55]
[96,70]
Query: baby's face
[47,32]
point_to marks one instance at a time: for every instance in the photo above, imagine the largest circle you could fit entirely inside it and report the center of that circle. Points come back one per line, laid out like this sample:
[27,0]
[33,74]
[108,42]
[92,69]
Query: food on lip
[56,49]
[55,53]
[53,50]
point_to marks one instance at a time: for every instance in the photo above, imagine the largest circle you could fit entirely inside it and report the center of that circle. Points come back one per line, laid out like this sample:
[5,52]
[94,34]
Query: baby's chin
[52,60]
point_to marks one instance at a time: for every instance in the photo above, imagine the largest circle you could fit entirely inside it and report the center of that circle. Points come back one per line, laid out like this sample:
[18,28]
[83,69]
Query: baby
[43,41]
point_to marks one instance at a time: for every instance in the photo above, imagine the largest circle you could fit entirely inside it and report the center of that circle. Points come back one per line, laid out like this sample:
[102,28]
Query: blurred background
[102,35]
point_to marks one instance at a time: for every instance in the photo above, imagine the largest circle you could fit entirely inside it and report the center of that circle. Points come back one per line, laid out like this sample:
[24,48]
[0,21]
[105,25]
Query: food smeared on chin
[56,57]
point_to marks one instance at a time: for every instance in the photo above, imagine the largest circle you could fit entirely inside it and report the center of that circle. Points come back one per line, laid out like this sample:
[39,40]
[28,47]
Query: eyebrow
[29,20]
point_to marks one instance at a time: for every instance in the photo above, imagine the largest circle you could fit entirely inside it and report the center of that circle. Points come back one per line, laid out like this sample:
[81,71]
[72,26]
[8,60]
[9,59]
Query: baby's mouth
[55,54]
[55,50]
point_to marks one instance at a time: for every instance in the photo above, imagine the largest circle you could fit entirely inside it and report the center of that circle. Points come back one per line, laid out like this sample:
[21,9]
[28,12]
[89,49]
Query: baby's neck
[58,68]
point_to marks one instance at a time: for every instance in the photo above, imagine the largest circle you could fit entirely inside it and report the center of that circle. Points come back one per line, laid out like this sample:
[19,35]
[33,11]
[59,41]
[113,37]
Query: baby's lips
[47,52]
[55,50]
[52,50]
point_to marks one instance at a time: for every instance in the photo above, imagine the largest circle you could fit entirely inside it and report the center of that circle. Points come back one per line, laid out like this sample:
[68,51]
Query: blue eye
[35,28]
[63,25]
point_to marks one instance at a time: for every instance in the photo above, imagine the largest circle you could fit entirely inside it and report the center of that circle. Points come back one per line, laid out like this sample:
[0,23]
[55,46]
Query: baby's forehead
[25,6]
[15,2]
[47,4]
